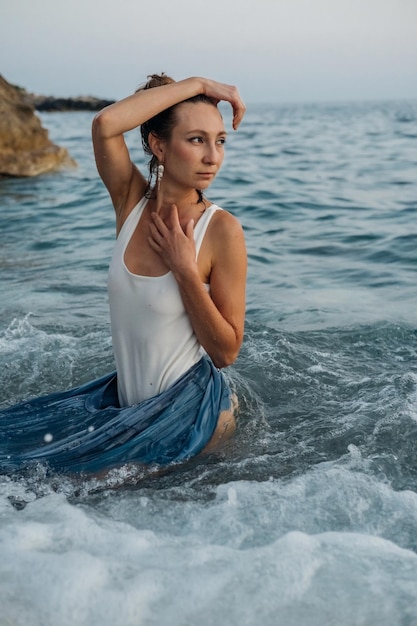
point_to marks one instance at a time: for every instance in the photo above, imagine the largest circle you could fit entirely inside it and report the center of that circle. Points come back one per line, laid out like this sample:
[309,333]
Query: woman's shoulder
[223,223]
[226,236]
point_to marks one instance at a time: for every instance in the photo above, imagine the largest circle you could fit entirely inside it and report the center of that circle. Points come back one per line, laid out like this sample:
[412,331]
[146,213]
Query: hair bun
[156,80]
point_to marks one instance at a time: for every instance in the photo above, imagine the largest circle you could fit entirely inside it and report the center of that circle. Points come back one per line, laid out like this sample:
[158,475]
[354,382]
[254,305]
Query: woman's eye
[220,141]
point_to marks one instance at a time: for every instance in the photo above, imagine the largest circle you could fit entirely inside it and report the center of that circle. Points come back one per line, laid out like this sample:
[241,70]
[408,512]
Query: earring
[159,175]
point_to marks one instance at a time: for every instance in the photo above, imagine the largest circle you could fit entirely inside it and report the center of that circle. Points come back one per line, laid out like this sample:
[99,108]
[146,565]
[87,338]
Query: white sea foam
[323,546]
[34,361]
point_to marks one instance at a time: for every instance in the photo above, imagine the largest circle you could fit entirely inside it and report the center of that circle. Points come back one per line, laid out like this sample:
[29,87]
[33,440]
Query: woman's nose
[211,154]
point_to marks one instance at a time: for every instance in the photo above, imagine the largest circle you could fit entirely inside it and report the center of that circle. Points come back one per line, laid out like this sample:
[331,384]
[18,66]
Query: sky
[272,50]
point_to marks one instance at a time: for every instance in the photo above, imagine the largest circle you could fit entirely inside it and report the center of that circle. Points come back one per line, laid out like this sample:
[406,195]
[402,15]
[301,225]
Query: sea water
[308,517]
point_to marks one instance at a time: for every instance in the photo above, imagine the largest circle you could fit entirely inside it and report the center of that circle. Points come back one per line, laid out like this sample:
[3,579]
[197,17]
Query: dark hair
[162,124]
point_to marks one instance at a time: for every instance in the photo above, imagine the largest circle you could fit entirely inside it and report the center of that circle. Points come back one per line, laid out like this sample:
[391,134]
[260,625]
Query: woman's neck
[185,201]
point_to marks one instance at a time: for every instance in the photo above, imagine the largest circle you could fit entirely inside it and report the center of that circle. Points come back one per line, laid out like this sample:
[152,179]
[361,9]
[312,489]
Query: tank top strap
[202,225]
[132,220]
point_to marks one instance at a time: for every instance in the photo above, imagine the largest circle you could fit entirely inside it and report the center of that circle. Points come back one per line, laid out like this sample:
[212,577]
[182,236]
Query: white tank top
[153,340]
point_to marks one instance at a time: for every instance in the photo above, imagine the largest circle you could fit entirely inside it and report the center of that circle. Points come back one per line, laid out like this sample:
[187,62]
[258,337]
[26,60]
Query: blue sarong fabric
[85,430]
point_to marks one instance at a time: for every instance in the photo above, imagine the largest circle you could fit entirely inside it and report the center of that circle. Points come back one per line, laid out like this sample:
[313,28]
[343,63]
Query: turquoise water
[309,516]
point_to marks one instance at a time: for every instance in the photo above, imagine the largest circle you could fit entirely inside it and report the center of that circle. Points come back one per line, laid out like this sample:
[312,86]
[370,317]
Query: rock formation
[25,148]
[80,103]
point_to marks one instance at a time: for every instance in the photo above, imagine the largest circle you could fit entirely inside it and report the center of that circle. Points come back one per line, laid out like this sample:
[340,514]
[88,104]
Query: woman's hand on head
[227,93]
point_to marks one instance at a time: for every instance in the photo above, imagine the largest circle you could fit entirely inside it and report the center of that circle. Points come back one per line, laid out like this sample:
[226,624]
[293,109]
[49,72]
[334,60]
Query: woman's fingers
[228,93]
[169,239]
[238,113]
[158,224]
[155,238]
[239,109]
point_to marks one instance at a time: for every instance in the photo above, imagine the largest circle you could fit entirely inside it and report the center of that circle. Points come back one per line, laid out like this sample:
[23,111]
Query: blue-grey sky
[273,50]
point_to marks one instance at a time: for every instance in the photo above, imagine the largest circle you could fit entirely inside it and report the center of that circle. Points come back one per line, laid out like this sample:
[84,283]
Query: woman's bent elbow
[101,124]
[225,359]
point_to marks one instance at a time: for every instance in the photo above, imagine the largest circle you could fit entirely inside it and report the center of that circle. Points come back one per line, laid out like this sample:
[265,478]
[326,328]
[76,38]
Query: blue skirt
[85,430]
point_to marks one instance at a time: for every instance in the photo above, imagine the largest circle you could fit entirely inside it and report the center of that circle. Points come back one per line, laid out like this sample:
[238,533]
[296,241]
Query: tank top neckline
[131,223]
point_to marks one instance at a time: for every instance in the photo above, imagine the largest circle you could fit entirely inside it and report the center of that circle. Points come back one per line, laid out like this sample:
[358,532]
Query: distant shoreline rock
[25,147]
[58,105]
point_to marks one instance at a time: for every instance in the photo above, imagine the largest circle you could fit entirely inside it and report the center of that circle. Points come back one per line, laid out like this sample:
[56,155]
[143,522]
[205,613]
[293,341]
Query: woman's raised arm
[121,177]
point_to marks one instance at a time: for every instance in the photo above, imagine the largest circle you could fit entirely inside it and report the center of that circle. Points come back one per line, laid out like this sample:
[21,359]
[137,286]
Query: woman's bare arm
[217,318]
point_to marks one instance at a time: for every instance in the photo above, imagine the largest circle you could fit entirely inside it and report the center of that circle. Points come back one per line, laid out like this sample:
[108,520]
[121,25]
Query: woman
[183,132]
[176,293]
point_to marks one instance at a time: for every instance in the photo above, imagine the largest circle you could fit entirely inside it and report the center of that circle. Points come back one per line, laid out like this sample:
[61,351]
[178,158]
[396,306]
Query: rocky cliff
[25,148]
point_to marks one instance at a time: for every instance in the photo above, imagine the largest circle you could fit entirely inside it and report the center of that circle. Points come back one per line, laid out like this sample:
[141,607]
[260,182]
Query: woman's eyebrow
[204,132]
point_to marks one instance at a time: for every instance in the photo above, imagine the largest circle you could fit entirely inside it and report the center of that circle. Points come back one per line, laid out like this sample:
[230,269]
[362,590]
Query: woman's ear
[157,146]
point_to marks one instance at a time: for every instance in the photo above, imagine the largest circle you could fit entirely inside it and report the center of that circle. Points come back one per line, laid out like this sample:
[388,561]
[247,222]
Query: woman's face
[195,151]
